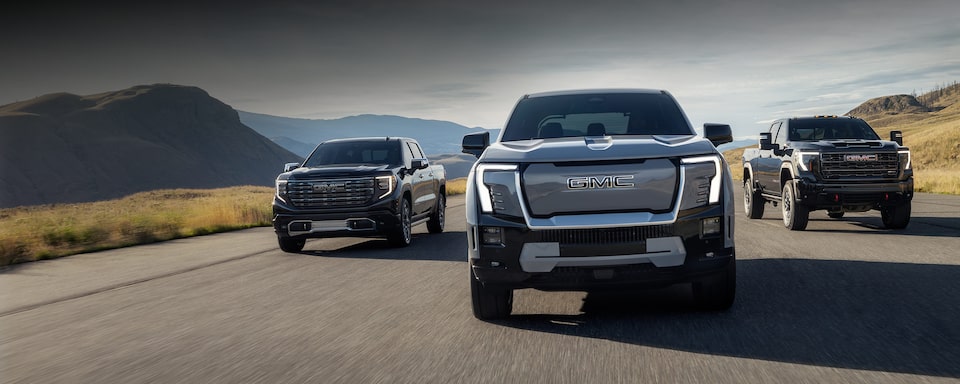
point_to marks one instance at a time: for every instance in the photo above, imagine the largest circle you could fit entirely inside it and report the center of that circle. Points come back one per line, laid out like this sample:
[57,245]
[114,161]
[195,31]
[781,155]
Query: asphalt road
[843,302]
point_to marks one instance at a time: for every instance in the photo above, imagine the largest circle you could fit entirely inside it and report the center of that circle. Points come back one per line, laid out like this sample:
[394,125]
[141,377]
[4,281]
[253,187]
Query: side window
[415,150]
[780,135]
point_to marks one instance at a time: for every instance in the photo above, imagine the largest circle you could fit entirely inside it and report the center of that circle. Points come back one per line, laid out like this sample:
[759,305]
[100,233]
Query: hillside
[300,136]
[61,148]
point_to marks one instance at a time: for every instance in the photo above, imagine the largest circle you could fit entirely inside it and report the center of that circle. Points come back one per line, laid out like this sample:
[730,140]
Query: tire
[291,245]
[753,202]
[717,292]
[896,217]
[795,215]
[489,303]
[437,218]
[402,234]
[835,215]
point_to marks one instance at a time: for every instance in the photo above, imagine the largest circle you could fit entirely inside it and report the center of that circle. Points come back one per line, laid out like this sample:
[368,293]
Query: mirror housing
[765,144]
[896,136]
[717,133]
[290,166]
[475,143]
[416,164]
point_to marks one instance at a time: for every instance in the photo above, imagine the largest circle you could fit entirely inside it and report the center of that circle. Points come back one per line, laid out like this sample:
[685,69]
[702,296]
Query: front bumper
[375,220]
[853,196]
[601,258]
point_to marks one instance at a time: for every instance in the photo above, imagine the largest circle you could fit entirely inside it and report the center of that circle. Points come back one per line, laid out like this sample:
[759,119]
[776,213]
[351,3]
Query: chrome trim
[661,252]
[317,226]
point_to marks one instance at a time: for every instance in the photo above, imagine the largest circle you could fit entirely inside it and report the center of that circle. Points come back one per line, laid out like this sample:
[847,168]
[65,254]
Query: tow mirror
[290,166]
[897,137]
[475,143]
[419,164]
[765,144]
[717,133]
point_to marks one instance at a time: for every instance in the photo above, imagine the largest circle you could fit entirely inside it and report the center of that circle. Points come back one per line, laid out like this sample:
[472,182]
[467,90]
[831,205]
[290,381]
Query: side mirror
[717,133]
[765,144]
[290,166]
[419,164]
[897,137]
[475,143]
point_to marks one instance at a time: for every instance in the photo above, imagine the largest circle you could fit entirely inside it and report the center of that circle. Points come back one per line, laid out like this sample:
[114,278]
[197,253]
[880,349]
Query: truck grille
[605,235]
[859,165]
[330,193]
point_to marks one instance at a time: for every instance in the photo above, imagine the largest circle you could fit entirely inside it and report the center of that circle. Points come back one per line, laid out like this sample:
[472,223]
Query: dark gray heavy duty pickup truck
[380,186]
[838,164]
[599,189]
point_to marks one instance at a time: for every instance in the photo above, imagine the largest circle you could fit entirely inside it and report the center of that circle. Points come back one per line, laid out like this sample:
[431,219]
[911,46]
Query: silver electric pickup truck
[599,189]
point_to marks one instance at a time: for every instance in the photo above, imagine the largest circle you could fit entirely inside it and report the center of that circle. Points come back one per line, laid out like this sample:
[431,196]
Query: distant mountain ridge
[62,148]
[300,136]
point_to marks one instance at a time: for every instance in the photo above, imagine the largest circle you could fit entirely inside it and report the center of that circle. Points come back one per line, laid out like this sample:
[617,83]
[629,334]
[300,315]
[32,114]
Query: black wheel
[716,293]
[289,244]
[753,203]
[795,215]
[897,216]
[835,215]
[402,235]
[489,303]
[435,225]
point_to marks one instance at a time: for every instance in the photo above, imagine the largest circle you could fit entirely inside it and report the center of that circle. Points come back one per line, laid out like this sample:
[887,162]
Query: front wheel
[489,303]
[289,244]
[753,202]
[716,293]
[795,215]
[897,216]
[435,225]
[402,234]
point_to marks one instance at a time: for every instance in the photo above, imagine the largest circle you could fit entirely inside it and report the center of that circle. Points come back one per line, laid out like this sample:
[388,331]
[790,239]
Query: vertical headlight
[904,155]
[806,160]
[282,189]
[497,189]
[694,171]
[385,185]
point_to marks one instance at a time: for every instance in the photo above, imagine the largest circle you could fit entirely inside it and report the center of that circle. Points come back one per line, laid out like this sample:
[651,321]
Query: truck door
[768,164]
[421,183]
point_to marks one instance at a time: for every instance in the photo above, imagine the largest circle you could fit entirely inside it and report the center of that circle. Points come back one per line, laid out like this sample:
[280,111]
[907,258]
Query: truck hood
[844,145]
[578,149]
[335,171]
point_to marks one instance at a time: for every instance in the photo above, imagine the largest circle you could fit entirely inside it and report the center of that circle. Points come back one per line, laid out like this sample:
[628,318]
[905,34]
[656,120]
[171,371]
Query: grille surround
[331,193]
[834,166]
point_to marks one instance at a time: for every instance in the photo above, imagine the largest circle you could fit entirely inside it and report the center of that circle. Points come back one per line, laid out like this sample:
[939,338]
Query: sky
[744,63]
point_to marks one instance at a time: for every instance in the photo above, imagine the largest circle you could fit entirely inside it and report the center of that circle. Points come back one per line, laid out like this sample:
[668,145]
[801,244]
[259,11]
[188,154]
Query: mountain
[63,148]
[300,136]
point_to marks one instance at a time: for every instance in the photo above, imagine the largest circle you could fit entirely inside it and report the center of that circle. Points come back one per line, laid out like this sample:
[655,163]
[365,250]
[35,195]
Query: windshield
[830,129]
[596,115]
[355,152]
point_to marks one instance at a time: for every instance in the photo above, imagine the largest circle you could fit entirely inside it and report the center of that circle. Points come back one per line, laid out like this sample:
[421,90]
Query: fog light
[492,236]
[710,227]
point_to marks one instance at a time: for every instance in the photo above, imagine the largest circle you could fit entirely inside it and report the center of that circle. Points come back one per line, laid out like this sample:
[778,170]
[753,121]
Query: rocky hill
[62,148]
[888,105]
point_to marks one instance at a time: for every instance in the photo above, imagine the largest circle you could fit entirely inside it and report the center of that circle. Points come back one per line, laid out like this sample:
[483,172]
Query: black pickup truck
[360,187]
[838,164]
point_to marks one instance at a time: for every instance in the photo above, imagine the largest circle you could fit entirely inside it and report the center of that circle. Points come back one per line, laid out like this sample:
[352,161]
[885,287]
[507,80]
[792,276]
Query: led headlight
[702,177]
[497,189]
[282,189]
[385,184]
[805,160]
[904,159]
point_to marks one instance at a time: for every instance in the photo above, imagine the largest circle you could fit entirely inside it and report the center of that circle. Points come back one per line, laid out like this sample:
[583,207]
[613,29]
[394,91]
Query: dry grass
[49,231]
[457,186]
